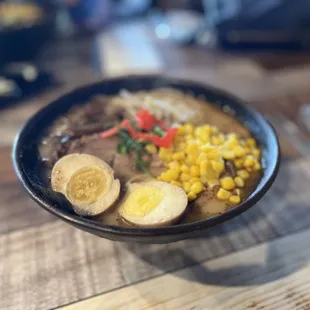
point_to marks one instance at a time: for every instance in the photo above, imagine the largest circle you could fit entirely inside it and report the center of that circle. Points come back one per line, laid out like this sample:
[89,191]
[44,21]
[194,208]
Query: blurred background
[29,30]
[256,49]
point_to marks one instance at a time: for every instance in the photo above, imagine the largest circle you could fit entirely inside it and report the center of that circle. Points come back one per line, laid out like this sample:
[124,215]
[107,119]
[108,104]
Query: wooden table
[259,260]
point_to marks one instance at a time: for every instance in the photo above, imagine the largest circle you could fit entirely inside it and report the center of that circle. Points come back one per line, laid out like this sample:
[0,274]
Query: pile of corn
[196,161]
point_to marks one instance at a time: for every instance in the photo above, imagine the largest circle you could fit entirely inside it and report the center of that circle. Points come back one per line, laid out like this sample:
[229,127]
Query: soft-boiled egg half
[87,182]
[154,203]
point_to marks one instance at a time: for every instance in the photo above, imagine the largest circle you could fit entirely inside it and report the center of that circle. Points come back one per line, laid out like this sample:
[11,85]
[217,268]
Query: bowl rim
[90,225]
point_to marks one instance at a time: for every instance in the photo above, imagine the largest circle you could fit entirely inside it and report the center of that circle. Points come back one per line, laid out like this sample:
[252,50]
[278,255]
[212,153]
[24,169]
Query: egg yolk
[87,185]
[142,201]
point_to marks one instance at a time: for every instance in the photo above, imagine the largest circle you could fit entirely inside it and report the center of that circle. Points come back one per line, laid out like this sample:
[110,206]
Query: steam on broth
[175,157]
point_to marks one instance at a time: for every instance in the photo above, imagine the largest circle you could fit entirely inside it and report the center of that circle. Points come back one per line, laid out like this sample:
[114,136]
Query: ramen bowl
[30,168]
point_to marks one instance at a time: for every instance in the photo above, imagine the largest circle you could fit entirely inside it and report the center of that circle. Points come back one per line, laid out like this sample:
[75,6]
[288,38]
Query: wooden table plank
[272,275]
[7,174]
[56,264]
[17,210]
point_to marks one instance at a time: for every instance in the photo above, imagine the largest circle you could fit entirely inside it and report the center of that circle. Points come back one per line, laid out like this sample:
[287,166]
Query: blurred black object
[21,80]
[281,24]
[23,42]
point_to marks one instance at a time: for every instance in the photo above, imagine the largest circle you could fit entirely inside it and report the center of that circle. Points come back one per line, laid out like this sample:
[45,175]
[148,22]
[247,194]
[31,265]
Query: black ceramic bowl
[29,168]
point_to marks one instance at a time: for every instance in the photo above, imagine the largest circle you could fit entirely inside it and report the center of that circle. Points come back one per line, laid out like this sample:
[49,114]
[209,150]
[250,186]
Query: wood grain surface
[272,275]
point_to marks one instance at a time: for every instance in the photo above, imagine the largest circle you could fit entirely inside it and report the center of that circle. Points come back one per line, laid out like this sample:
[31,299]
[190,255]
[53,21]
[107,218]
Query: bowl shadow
[206,254]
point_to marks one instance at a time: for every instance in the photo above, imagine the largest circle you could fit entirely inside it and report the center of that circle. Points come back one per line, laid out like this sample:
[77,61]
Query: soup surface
[164,147]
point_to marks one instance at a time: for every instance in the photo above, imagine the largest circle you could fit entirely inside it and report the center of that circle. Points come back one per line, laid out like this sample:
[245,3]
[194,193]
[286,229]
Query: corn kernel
[218,166]
[238,163]
[214,129]
[181,146]
[249,161]
[194,180]
[215,140]
[176,183]
[239,182]
[214,156]
[206,148]
[164,177]
[256,153]
[223,194]
[195,171]
[168,157]
[231,143]
[257,166]
[177,144]
[165,156]
[189,137]
[161,155]
[198,131]
[221,137]
[178,156]
[205,180]
[234,199]
[189,128]
[191,196]
[201,158]
[207,129]
[232,136]
[163,152]
[191,148]
[204,167]
[184,168]
[211,174]
[213,182]
[197,188]
[203,137]
[185,177]
[186,186]
[174,165]
[227,154]
[181,131]
[209,152]
[238,191]
[247,150]
[243,174]
[239,151]
[228,183]
[191,159]
[151,148]
[171,175]
[251,142]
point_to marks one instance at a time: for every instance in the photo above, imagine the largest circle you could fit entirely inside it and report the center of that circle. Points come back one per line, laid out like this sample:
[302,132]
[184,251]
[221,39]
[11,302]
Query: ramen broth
[78,131]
